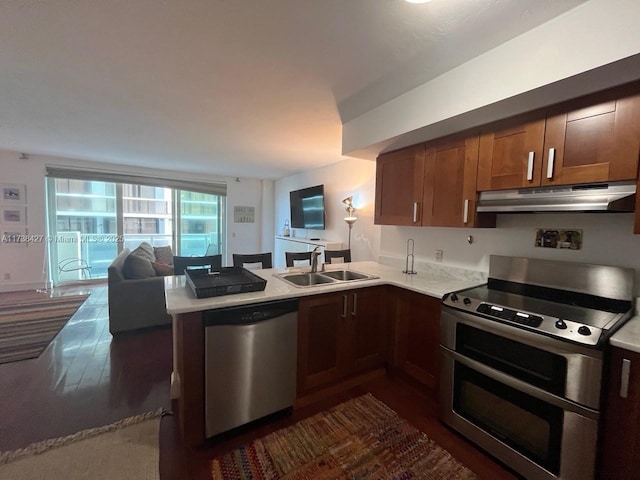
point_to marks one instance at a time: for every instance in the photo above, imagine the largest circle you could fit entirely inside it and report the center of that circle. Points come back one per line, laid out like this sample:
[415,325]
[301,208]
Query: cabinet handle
[552,158]
[530,166]
[355,304]
[624,378]
[465,215]
[344,307]
[415,212]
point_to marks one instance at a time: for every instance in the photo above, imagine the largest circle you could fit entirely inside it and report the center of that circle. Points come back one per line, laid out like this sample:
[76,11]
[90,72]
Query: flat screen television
[307,208]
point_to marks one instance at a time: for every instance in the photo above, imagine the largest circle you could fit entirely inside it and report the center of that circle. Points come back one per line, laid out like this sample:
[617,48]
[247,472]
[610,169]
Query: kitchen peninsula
[357,345]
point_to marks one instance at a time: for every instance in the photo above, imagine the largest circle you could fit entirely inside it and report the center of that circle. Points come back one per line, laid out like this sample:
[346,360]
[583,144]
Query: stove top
[573,314]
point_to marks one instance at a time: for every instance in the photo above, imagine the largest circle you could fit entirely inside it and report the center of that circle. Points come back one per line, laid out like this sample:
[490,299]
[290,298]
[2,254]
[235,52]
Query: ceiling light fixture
[417,1]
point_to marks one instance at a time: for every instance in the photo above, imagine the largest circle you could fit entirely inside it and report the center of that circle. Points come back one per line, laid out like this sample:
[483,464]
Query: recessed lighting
[417,1]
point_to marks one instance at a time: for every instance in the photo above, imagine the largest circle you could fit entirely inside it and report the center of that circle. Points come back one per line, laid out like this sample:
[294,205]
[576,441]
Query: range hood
[600,197]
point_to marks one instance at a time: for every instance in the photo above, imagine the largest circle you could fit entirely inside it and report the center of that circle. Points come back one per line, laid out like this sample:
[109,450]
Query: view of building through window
[92,220]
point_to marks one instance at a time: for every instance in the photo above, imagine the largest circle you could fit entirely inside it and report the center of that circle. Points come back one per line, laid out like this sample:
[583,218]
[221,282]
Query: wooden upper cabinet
[432,184]
[595,138]
[449,197]
[597,143]
[511,156]
[591,139]
[399,185]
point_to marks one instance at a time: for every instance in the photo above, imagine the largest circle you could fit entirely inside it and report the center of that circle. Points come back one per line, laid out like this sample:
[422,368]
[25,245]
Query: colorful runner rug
[359,439]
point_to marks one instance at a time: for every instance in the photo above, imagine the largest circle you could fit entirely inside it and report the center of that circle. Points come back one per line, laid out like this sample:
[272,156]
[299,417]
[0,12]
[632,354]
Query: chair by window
[297,257]
[337,256]
[241,259]
[180,264]
[75,265]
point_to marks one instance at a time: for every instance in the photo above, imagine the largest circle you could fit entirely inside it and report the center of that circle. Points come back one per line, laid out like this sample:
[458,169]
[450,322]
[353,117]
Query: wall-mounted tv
[307,208]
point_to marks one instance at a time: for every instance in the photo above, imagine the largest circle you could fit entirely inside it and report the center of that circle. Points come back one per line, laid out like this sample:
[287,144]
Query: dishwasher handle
[248,314]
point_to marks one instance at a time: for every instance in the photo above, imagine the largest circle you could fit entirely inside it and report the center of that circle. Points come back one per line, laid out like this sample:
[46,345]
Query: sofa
[136,289]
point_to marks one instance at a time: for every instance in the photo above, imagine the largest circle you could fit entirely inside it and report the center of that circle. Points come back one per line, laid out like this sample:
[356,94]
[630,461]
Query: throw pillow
[163,255]
[136,267]
[161,269]
[144,250]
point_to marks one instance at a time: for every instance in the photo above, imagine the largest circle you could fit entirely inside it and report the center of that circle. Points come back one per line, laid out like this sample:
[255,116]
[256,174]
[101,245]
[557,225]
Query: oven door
[507,397]
[569,371]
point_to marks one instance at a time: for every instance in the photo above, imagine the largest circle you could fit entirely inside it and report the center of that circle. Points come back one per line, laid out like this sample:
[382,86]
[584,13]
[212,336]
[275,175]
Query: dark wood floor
[86,378]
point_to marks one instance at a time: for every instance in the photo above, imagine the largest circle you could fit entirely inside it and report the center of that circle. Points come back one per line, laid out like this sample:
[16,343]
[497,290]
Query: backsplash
[607,239]
[435,269]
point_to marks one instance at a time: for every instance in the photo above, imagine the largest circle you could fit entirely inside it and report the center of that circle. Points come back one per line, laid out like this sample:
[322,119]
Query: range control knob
[584,330]
[466,301]
[561,325]
[454,297]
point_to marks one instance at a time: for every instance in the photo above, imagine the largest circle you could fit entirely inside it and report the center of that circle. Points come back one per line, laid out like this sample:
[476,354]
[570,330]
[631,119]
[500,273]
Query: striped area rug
[360,439]
[28,326]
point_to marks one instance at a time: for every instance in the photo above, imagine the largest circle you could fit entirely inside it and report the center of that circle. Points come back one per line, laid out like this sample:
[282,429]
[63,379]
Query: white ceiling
[250,88]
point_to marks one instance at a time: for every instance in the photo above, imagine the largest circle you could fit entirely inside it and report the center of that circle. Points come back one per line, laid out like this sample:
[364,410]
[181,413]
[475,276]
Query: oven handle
[522,386]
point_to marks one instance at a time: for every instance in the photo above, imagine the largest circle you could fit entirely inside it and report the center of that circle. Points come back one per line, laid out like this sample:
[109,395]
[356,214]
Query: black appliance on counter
[522,361]
[205,282]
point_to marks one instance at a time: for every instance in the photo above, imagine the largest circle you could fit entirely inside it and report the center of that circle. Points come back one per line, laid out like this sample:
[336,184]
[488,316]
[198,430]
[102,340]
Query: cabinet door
[597,143]
[399,183]
[369,331]
[321,341]
[511,155]
[417,336]
[451,167]
[621,420]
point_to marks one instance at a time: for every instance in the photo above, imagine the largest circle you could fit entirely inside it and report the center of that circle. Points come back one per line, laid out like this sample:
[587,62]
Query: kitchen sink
[308,279]
[346,275]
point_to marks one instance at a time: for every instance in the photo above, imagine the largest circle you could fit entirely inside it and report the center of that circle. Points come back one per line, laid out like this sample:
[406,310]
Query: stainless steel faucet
[315,253]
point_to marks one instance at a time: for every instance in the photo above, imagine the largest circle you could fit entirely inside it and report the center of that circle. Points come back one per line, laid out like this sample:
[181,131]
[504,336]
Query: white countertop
[628,337]
[433,282]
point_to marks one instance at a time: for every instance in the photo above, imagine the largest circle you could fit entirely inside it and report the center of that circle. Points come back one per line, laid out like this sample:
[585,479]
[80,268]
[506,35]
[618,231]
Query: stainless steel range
[522,361]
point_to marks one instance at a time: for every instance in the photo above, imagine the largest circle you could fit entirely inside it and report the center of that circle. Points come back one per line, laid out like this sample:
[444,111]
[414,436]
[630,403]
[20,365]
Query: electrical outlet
[7,276]
[439,254]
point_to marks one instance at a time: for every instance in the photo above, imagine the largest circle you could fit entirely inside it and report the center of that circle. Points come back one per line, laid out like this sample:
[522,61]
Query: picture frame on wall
[10,215]
[13,194]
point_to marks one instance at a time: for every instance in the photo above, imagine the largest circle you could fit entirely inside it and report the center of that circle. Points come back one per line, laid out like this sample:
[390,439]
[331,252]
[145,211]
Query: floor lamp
[350,219]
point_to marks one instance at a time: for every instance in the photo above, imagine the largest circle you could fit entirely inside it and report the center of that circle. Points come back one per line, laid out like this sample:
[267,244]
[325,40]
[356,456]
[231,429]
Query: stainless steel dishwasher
[250,363]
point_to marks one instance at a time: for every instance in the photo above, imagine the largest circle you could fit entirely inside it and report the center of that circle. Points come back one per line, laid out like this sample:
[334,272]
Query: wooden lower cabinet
[340,334]
[620,429]
[416,343]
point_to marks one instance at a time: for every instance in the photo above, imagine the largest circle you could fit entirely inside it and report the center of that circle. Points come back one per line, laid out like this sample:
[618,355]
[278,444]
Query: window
[90,221]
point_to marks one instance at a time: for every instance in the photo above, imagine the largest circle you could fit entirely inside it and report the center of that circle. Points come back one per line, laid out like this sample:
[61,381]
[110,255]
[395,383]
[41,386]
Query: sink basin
[306,279]
[345,275]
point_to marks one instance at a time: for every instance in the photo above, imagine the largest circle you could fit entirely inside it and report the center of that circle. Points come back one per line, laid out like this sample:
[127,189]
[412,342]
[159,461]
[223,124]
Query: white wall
[249,237]
[348,177]
[24,264]
[589,48]
[607,239]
